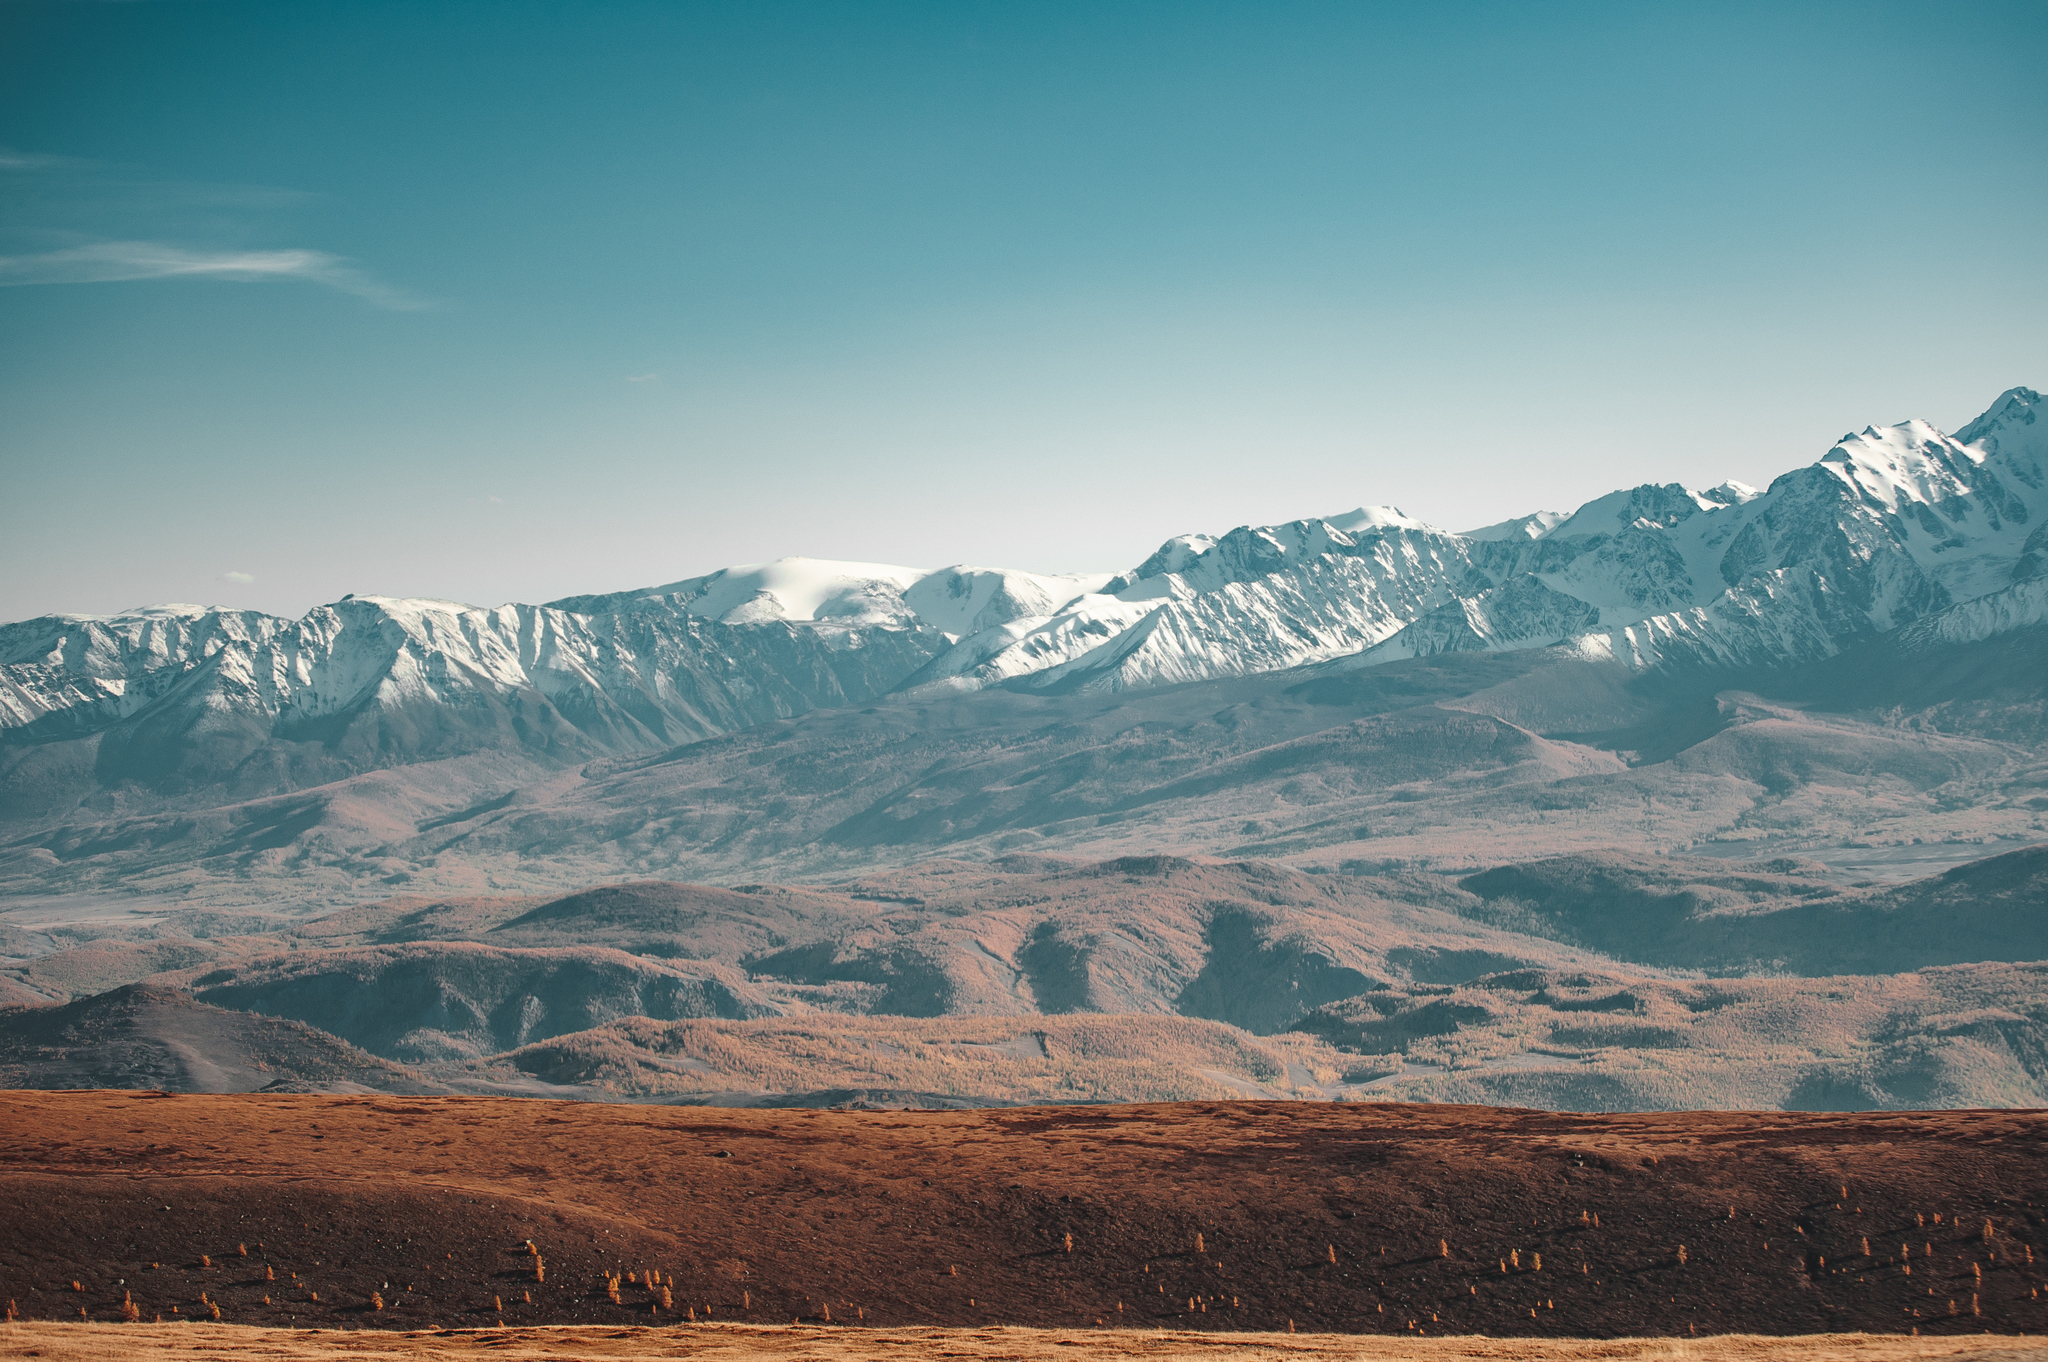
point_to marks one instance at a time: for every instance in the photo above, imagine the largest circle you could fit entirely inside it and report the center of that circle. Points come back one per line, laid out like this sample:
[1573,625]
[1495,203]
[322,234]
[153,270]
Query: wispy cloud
[641,378]
[240,578]
[10,159]
[113,261]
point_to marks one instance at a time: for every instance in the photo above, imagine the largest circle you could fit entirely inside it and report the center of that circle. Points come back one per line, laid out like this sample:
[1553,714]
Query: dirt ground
[1222,1220]
[787,1343]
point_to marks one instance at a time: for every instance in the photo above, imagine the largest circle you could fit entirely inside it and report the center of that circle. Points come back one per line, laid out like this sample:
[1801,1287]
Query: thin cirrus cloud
[115,261]
[239,578]
[10,159]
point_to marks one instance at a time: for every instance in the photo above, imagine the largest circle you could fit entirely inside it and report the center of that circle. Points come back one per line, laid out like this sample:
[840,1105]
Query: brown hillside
[1223,1217]
[145,1037]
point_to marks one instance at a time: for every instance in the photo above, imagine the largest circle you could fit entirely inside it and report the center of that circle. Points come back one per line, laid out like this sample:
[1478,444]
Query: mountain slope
[380,739]
[176,700]
[150,1037]
[1960,1036]
[1889,527]
[1672,911]
[456,1000]
[1455,762]
[1249,944]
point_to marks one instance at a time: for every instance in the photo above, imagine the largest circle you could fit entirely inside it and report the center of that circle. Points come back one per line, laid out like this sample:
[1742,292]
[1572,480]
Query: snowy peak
[1377,518]
[2000,459]
[967,600]
[1176,555]
[170,610]
[1251,551]
[806,589]
[2015,413]
[1651,506]
[1896,465]
[1890,525]
[957,600]
[1729,493]
[1893,526]
[1523,527]
[369,682]
[2013,440]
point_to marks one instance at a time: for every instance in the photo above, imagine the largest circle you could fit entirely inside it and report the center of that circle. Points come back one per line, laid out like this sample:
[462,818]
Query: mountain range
[1409,806]
[1892,528]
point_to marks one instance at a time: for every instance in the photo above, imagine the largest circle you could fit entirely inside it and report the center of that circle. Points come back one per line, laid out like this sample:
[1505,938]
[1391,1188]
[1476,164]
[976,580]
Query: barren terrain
[1223,1218]
[1572,982]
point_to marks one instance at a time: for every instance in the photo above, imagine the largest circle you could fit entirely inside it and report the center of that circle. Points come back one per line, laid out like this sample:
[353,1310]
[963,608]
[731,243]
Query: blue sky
[505,301]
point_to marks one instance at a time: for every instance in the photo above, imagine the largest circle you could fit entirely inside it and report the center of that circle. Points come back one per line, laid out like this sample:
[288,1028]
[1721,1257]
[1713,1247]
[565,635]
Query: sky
[508,301]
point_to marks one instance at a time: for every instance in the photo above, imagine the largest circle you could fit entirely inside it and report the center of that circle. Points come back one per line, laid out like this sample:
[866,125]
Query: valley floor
[757,1343]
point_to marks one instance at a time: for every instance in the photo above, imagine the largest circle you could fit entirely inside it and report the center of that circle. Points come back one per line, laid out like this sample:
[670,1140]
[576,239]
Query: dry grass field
[758,1343]
[1228,1219]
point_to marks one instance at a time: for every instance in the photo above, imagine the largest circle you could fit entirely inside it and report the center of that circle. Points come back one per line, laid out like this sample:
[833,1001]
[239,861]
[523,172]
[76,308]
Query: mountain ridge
[1889,529]
[1799,667]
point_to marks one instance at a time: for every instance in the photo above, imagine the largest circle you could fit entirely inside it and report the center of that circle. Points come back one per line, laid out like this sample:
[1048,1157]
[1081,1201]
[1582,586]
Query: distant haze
[526,300]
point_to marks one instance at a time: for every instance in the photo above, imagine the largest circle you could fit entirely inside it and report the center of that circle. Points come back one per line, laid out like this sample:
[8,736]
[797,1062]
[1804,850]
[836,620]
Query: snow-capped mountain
[179,695]
[1890,526]
[955,600]
[1893,527]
